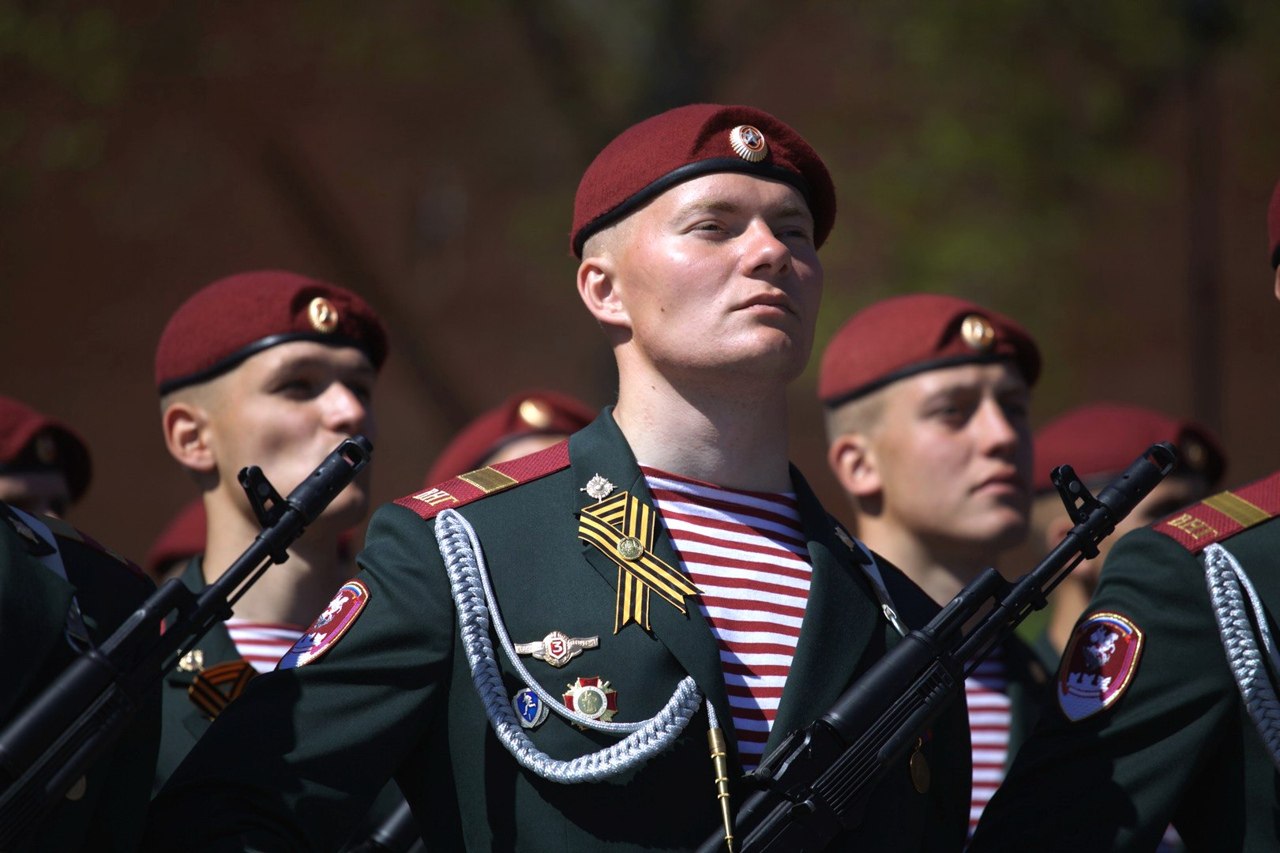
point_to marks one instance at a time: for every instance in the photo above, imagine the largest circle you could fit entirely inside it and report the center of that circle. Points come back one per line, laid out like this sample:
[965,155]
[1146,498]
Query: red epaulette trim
[1224,515]
[473,485]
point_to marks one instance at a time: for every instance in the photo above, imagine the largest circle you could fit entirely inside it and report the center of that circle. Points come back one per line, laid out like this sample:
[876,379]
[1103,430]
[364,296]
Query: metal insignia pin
[192,661]
[530,708]
[844,537]
[557,648]
[598,487]
[977,332]
[748,143]
[323,315]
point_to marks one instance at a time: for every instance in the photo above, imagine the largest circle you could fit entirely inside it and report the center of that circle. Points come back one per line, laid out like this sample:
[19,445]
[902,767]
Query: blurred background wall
[1099,170]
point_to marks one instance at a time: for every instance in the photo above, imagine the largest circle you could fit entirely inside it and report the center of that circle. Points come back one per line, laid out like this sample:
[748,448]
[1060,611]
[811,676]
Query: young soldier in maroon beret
[44,464]
[271,369]
[1099,441]
[1166,707]
[539,650]
[926,401]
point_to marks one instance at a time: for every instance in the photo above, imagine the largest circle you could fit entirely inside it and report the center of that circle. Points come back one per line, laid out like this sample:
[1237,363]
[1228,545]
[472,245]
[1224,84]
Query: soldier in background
[1167,708]
[926,400]
[1099,441]
[524,423]
[44,464]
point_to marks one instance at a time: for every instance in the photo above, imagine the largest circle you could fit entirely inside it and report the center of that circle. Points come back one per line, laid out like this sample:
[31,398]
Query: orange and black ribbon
[623,528]
[215,687]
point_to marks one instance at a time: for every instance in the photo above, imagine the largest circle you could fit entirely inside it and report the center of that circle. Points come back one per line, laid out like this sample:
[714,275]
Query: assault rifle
[816,783]
[51,744]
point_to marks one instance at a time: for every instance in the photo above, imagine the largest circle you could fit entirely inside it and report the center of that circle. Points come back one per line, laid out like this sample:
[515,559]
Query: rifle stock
[55,739]
[816,783]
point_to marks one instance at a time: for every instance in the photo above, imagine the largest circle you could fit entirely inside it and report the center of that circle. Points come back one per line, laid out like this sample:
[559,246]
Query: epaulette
[473,485]
[1223,515]
[63,530]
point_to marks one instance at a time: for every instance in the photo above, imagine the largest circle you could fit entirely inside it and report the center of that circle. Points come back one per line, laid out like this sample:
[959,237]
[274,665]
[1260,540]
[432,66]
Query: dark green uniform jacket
[184,721]
[291,762]
[1176,746]
[36,631]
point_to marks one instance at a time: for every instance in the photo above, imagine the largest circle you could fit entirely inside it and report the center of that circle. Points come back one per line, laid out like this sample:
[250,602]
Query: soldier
[60,594]
[270,369]
[663,563]
[524,423]
[44,465]
[1166,707]
[1100,441]
[926,402]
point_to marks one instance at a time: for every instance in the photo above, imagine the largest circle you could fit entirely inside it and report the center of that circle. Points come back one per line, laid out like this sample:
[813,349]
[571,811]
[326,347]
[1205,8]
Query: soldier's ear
[598,286]
[853,462]
[186,436]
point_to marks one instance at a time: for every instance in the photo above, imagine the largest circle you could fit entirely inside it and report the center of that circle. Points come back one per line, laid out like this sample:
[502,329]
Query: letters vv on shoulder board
[50,744]
[816,783]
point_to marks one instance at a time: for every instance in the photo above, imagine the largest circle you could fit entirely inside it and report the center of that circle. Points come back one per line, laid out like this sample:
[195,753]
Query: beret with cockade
[906,335]
[241,315]
[691,141]
[1100,440]
[526,414]
[1273,226]
[31,441]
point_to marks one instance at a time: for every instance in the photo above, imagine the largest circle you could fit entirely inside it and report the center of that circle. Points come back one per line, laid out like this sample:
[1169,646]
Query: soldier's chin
[347,509]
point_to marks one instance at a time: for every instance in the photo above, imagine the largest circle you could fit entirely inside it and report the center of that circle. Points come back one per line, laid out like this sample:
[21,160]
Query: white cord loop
[1240,613]
[477,613]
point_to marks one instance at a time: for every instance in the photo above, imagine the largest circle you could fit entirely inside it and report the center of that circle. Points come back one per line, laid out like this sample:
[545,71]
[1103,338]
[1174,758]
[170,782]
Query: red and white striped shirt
[987,694]
[746,552]
[262,643]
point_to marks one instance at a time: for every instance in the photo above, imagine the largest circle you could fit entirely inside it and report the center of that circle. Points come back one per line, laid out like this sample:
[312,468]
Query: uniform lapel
[601,449]
[214,647]
[840,622]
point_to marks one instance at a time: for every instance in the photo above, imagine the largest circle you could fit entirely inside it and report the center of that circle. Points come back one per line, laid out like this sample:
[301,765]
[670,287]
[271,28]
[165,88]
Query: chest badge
[598,487]
[557,648]
[530,708]
[592,697]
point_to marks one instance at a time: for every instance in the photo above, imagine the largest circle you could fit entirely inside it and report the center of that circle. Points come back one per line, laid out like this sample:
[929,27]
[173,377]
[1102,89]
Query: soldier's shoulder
[1225,515]
[485,482]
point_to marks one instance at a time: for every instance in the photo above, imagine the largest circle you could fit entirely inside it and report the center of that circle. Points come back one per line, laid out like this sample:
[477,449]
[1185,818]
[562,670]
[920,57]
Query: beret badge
[748,143]
[977,332]
[323,315]
[46,449]
[535,413]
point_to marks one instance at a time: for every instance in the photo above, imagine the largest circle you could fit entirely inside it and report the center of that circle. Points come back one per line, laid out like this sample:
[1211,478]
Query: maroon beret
[906,335]
[241,315]
[530,413]
[182,538]
[691,141]
[1101,440]
[30,441]
[1273,226]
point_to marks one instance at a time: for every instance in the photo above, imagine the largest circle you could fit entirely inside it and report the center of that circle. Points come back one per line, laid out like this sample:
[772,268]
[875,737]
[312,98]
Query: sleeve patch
[324,633]
[1098,665]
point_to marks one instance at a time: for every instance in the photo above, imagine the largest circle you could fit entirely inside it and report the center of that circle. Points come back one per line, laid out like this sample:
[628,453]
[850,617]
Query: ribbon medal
[623,528]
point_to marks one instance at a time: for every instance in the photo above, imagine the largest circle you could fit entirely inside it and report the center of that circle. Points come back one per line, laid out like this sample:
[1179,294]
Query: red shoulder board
[1224,515]
[473,485]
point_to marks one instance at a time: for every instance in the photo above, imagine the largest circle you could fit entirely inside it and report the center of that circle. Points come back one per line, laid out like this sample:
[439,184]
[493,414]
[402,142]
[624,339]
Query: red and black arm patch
[473,485]
[1223,515]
